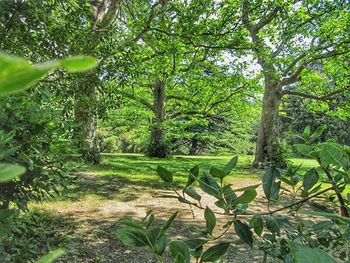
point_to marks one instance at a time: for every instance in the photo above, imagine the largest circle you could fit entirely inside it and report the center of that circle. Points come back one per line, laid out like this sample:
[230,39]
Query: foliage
[292,237]
[31,235]
[39,174]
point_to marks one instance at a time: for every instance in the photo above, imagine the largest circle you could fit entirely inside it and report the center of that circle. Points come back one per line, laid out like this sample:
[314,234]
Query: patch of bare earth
[95,221]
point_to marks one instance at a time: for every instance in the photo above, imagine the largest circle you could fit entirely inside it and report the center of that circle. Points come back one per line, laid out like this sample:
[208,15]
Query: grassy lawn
[118,173]
[127,184]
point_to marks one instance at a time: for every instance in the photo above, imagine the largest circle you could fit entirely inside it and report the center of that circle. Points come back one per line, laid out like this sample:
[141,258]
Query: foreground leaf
[304,254]
[210,220]
[53,255]
[270,186]
[243,231]
[165,174]
[177,248]
[132,237]
[10,171]
[215,252]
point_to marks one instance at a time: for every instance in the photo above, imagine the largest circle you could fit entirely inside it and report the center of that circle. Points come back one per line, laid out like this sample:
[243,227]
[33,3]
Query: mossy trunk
[86,119]
[268,151]
[157,146]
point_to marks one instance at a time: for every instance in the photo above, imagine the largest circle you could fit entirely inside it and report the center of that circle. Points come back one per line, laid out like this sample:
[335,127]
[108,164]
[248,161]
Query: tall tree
[288,39]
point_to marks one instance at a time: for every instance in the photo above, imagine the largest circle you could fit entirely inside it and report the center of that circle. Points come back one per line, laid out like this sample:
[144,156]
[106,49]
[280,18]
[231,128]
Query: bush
[291,237]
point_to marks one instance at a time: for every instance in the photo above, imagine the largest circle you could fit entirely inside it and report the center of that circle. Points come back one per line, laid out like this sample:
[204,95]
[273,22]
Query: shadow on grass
[117,173]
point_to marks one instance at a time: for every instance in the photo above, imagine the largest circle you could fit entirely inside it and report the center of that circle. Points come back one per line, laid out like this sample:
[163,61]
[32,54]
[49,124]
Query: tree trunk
[194,146]
[267,149]
[157,146]
[86,119]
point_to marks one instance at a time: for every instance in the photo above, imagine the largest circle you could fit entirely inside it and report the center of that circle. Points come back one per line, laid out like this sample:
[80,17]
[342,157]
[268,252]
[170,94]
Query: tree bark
[268,151]
[157,146]
[86,119]
[194,146]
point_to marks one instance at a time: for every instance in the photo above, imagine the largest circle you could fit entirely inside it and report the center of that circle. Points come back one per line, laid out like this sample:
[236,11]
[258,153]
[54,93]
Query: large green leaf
[192,175]
[243,231]
[272,224]
[168,223]
[231,164]
[193,193]
[247,196]
[208,184]
[53,255]
[216,172]
[178,247]
[310,179]
[132,237]
[229,194]
[157,239]
[215,252]
[210,220]
[331,154]
[78,63]
[304,254]
[18,74]
[270,186]
[165,174]
[327,215]
[257,223]
[10,171]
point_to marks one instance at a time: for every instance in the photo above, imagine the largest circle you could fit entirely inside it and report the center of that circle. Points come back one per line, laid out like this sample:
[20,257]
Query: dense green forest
[174,131]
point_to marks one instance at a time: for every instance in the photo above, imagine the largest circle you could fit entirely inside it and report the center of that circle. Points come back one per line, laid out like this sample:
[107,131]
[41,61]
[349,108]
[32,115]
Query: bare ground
[95,219]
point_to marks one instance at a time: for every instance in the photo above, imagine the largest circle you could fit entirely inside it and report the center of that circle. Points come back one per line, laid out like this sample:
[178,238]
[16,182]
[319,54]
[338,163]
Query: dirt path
[95,217]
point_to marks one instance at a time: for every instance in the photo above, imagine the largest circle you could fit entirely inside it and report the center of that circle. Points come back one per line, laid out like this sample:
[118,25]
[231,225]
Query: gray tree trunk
[86,119]
[194,150]
[157,146]
[268,151]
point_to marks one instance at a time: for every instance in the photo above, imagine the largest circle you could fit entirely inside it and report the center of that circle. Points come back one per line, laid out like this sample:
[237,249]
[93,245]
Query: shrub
[291,237]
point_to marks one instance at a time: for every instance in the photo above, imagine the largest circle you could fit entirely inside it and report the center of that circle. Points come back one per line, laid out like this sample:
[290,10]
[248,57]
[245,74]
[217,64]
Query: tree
[288,39]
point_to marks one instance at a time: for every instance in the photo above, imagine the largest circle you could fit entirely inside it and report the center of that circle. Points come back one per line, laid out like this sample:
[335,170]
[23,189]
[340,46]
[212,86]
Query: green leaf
[157,240]
[248,196]
[168,223]
[208,184]
[243,231]
[10,171]
[195,243]
[229,194]
[270,186]
[318,132]
[303,149]
[257,223]
[126,221]
[231,164]
[132,237]
[193,193]
[179,259]
[165,174]
[272,224]
[18,74]
[249,187]
[216,172]
[78,63]
[210,220]
[178,247]
[310,179]
[307,132]
[215,252]
[53,255]
[192,175]
[304,254]
[327,215]
[331,154]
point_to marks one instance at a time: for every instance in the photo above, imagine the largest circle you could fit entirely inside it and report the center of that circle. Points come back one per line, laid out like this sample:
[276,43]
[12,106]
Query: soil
[95,221]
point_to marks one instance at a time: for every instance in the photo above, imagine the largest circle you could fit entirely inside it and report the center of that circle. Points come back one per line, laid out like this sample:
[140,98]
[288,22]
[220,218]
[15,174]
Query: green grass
[120,172]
